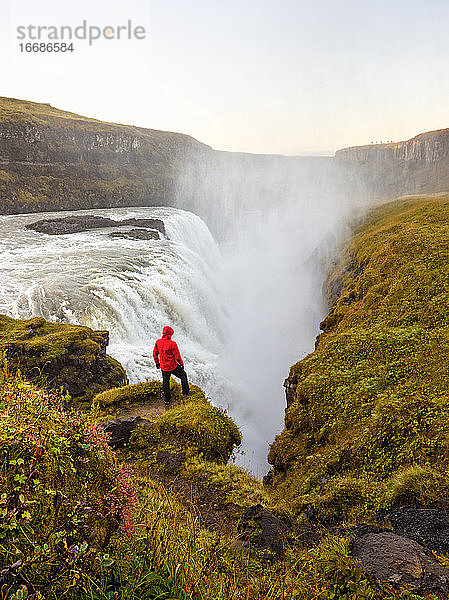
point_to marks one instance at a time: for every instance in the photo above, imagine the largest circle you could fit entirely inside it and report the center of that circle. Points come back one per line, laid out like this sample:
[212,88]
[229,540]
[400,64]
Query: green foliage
[63,495]
[195,563]
[369,427]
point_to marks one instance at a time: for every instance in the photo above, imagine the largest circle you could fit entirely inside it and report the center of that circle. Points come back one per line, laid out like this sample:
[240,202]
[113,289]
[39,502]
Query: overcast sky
[272,76]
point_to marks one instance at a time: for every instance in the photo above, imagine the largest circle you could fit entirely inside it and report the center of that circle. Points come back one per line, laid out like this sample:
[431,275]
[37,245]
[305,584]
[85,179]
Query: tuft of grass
[128,395]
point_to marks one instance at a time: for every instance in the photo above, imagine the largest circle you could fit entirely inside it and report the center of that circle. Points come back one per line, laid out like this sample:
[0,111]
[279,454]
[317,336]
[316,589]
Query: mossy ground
[190,423]
[369,427]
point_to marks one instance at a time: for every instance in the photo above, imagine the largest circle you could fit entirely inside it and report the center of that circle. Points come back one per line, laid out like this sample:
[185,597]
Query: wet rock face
[400,561]
[426,526]
[261,529]
[78,223]
[120,430]
[136,234]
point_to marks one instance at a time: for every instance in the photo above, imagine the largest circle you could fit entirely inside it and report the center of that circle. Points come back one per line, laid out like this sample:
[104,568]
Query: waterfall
[243,309]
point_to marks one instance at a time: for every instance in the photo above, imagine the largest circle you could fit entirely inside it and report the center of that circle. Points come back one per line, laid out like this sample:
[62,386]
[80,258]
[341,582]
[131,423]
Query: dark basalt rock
[261,529]
[171,461]
[78,223]
[120,429]
[426,526]
[136,234]
[400,561]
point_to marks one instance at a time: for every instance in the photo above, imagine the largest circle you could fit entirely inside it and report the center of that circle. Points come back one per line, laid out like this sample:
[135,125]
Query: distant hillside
[51,159]
[418,165]
[56,160]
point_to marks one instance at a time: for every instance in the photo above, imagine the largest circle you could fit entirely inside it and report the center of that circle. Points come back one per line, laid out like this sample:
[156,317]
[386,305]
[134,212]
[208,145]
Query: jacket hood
[167,331]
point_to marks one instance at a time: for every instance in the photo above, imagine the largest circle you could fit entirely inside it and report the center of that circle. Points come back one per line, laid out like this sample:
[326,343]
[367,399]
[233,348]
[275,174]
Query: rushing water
[242,312]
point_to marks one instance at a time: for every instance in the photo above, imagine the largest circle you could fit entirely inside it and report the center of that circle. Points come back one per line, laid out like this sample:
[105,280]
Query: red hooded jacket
[166,352]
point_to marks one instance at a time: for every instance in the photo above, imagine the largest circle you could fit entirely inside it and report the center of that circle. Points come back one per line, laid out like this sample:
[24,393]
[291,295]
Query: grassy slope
[369,427]
[13,110]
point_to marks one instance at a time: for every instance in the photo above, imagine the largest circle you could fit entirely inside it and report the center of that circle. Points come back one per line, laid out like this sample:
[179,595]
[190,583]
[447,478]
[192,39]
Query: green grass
[369,428]
[85,528]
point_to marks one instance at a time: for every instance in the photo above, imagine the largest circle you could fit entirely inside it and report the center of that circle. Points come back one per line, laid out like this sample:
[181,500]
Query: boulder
[171,461]
[400,561]
[259,528]
[426,526]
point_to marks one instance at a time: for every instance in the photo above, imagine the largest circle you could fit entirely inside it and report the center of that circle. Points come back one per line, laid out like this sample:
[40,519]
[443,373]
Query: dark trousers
[178,372]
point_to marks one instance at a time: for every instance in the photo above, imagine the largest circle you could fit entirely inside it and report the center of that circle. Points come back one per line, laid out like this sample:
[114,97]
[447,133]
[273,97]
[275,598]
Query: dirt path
[146,411]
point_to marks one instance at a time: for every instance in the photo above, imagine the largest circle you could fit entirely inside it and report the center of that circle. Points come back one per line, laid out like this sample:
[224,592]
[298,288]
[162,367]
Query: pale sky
[271,76]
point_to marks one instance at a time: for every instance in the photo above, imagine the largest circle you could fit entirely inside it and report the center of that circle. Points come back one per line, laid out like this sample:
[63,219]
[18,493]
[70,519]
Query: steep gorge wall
[385,171]
[367,411]
[55,160]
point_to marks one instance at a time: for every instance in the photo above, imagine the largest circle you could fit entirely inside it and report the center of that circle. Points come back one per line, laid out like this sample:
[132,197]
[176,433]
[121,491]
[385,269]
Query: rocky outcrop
[261,529]
[58,356]
[400,561]
[429,527]
[78,223]
[432,146]
[119,430]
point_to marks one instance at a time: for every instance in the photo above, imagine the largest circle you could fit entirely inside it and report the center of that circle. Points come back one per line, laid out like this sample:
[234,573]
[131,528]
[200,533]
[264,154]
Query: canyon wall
[55,160]
[385,171]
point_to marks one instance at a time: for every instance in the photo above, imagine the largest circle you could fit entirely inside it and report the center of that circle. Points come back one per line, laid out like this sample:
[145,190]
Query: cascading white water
[132,288]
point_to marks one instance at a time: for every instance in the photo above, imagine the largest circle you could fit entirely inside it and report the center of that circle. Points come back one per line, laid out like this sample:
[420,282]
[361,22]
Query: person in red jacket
[168,358]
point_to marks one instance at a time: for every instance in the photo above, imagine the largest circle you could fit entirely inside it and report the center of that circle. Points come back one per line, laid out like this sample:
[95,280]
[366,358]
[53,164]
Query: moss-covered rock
[192,422]
[368,420]
[58,355]
[129,395]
